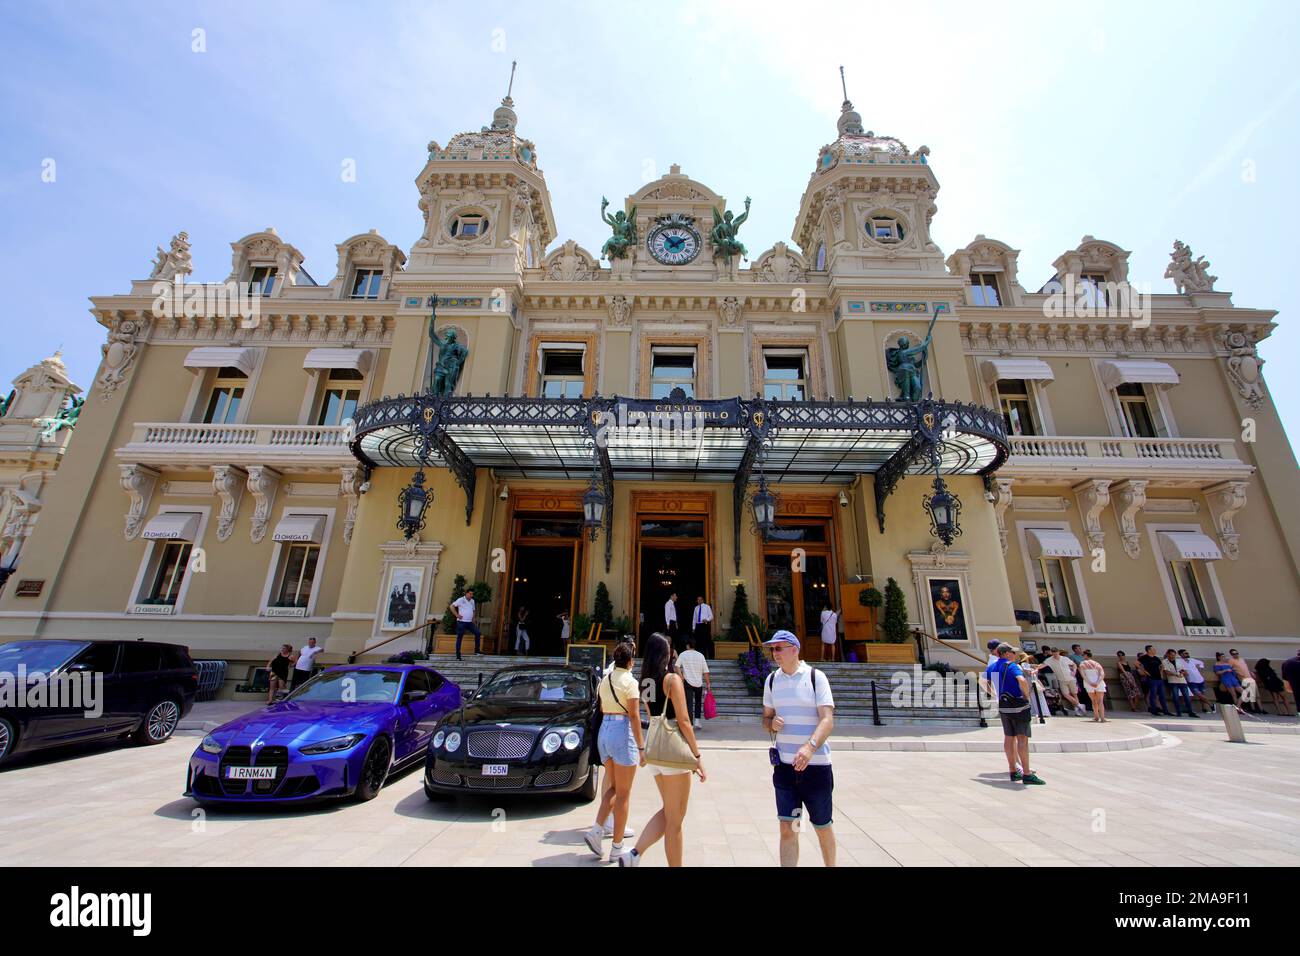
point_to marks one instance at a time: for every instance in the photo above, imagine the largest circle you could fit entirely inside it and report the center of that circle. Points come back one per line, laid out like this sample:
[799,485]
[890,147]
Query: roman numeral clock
[674,241]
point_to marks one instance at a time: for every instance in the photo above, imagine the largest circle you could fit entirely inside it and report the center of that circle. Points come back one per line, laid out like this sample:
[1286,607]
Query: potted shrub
[895,630]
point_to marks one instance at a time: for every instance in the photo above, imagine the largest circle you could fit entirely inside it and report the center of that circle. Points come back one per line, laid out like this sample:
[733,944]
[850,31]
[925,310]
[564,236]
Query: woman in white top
[1094,681]
[829,621]
[564,628]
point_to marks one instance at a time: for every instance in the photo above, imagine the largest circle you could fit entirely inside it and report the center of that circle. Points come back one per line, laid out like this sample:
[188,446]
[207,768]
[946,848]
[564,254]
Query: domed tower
[868,205]
[487,219]
[485,203]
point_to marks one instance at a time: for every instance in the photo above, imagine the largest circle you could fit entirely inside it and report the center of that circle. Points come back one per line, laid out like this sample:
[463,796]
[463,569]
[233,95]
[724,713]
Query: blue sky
[1134,122]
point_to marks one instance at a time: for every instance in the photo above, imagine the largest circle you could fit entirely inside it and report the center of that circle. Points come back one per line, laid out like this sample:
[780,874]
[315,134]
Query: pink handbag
[710,706]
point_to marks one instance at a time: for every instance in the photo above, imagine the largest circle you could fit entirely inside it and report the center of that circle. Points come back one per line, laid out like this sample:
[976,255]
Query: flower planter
[879,652]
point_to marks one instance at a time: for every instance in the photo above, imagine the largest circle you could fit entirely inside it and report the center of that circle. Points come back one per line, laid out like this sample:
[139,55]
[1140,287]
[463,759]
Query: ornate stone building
[1122,472]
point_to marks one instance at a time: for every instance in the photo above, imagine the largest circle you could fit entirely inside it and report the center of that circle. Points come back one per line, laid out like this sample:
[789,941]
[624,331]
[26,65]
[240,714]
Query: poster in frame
[948,609]
[402,600]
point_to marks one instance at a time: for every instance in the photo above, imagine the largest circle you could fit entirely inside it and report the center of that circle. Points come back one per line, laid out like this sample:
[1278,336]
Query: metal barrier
[212,674]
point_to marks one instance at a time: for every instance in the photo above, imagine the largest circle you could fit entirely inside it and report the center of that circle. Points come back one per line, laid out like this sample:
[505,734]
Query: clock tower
[674,217]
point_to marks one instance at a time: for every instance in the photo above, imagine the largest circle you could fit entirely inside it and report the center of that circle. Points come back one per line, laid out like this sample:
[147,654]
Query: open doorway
[542,577]
[680,570]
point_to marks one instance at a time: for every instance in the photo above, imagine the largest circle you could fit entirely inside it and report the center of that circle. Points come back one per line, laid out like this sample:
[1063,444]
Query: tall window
[165,585]
[262,279]
[984,288]
[365,285]
[562,373]
[672,368]
[1053,594]
[1138,416]
[785,374]
[342,395]
[1017,406]
[297,574]
[227,393]
[1196,605]
[1095,284]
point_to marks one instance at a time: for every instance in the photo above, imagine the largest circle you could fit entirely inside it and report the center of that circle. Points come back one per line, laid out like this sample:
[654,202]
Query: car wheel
[159,723]
[587,792]
[374,771]
[8,738]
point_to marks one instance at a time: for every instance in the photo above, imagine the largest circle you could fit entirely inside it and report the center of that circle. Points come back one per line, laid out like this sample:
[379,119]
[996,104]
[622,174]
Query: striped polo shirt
[793,699]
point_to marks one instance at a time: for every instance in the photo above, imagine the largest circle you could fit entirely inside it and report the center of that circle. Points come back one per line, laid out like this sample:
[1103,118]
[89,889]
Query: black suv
[56,692]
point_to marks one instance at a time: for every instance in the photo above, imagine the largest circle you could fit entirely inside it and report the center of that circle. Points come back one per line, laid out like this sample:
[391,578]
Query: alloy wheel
[163,720]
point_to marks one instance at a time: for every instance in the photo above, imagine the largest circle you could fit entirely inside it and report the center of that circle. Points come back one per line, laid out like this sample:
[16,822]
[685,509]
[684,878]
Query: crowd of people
[1072,683]
[640,716]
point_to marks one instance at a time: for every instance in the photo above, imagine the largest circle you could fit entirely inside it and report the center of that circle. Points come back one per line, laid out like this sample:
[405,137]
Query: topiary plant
[602,610]
[870,597]
[739,615]
[894,625]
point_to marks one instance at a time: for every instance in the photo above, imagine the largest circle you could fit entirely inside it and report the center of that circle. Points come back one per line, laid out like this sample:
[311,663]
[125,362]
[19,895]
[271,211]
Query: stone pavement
[1194,800]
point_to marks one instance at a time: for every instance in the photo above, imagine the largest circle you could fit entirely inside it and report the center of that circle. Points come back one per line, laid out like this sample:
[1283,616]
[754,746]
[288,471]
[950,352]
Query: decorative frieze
[1083,337]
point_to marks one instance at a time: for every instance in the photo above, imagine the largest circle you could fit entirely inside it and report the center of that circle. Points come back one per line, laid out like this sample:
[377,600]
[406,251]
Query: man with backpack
[1011,686]
[798,711]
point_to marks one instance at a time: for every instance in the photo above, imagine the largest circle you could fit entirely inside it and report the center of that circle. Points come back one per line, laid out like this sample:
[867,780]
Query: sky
[124,123]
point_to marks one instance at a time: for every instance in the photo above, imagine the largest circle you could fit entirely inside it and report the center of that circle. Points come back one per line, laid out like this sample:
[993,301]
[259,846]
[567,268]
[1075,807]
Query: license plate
[496,769]
[251,773]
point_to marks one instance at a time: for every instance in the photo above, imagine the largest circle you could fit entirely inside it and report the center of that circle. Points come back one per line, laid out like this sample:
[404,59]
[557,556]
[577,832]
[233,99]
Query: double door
[797,587]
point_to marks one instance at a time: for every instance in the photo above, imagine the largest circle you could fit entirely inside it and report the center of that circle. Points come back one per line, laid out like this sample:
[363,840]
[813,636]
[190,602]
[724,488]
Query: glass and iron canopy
[680,439]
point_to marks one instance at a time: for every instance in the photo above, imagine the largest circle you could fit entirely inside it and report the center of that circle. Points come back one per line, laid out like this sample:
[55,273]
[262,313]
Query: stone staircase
[850,684]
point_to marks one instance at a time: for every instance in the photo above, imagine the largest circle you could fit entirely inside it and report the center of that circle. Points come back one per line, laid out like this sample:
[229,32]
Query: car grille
[445,777]
[511,782]
[500,744]
[277,757]
[234,757]
[553,778]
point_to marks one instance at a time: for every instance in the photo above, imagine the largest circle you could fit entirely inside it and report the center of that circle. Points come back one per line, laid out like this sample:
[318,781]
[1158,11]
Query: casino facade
[670,413]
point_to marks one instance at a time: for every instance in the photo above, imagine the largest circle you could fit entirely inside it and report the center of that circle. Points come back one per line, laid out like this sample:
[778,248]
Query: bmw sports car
[340,734]
[530,729]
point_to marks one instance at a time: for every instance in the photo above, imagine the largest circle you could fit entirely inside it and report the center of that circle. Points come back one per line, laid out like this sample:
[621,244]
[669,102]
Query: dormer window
[885,229]
[469,226]
[262,279]
[984,289]
[1094,284]
[365,285]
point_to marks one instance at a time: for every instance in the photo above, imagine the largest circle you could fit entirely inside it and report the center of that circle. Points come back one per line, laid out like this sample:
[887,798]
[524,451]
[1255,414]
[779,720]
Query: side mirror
[414,696]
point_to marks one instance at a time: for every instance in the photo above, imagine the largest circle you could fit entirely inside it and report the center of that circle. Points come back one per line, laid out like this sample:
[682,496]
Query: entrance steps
[851,685]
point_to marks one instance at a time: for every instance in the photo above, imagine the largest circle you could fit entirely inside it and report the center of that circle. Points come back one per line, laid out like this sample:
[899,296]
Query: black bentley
[529,729]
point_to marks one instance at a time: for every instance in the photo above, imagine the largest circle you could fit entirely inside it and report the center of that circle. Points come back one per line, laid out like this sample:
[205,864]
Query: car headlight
[334,744]
[572,739]
[453,741]
[210,745]
[438,738]
[551,742]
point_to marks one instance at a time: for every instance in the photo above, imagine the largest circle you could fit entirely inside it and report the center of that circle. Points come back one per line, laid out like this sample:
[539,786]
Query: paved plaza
[1188,799]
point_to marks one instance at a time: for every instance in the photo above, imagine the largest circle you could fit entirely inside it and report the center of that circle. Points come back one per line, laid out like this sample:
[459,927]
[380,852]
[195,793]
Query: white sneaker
[629,858]
[593,838]
[609,829]
[696,725]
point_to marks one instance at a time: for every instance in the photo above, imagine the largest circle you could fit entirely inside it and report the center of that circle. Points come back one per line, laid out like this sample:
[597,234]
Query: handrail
[352,658]
[951,647]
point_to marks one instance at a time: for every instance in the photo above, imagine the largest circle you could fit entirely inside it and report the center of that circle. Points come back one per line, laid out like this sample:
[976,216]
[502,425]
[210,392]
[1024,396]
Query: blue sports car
[340,734]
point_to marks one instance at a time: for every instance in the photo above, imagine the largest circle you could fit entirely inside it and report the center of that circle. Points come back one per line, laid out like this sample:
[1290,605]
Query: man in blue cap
[799,712]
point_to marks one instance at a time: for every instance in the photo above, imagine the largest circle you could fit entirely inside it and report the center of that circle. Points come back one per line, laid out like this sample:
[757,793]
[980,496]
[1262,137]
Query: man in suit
[702,626]
[670,620]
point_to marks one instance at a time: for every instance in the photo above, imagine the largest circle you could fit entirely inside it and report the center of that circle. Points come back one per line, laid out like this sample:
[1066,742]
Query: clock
[674,242]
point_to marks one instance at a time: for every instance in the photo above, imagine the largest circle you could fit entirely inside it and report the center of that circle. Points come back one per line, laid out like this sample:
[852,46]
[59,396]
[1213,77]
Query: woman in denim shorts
[620,746]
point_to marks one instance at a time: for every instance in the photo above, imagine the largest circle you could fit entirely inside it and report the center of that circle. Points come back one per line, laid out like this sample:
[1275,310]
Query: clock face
[674,245]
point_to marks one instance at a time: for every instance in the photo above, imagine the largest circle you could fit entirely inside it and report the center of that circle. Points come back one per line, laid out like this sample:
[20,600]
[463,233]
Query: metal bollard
[1232,723]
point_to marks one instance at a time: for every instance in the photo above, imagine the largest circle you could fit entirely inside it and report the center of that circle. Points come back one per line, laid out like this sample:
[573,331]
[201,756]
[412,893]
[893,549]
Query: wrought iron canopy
[702,440]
